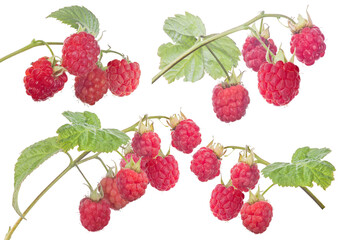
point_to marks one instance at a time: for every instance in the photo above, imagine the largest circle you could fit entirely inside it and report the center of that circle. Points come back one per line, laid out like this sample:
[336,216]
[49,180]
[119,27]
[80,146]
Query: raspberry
[308,44]
[230,102]
[226,202]
[244,177]
[162,172]
[41,82]
[111,193]
[123,77]
[146,144]
[135,158]
[186,136]
[279,82]
[205,164]
[80,51]
[92,87]
[94,215]
[256,217]
[254,54]
[131,184]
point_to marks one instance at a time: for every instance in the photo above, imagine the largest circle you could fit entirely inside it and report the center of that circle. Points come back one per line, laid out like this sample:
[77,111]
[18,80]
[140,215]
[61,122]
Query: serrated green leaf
[68,135]
[30,159]
[310,153]
[184,28]
[226,51]
[77,16]
[83,118]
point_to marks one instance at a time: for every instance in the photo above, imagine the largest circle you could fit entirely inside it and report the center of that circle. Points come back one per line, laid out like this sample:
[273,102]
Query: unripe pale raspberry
[186,136]
[308,44]
[146,144]
[205,164]
[123,77]
[254,53]
[226,202]
[230,102]
[91,87]
[111,193]
[40,81]
[94,215]
[278,83]
[131,184]
[256,217]
[244,177]
[162,172]
[80,53]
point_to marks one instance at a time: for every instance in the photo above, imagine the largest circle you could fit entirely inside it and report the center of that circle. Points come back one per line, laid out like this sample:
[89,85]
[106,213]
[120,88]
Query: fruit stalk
[214,37]
[135,125]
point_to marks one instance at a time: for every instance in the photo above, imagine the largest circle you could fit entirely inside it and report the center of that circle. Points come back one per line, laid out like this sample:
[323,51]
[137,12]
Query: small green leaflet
[305,168]
[29,160]
[78,17]
[86,133]
[186,31]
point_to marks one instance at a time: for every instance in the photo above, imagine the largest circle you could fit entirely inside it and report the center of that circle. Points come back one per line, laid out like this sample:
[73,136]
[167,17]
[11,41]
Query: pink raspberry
[94,215]
[123,77]
[226,202]
[186,136]
[244,177]
[254,53]
[162,172]
[135,158]
[111,193]
[80,53]
[146,144]
[278,83]
[308,44]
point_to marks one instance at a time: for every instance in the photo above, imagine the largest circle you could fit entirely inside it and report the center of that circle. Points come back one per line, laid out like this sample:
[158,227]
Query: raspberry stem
[219,62]
[34,43]
[261,42]
[133,128]
[214,37]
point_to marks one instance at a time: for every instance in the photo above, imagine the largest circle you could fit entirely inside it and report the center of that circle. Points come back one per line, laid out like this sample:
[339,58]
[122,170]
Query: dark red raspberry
[111,193]
[162,172]
[94,215]
[146,144]
[230,102]
[254,53]
[80,53]
[41,82]
[279,82]
[92,87]
[256,217]
[244,177]
[131,184]
[205,164]
[308,44]
[226,202]
[123,77]
[186,136]
[135,158]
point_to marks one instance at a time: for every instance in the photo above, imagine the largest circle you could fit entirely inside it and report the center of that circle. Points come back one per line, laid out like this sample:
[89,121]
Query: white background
[312,119]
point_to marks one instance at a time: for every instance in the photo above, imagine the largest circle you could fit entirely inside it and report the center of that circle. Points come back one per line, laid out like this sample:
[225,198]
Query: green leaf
[76,17]
[83,118]
[226,51]
[29,160]
[184,28]
[305,169]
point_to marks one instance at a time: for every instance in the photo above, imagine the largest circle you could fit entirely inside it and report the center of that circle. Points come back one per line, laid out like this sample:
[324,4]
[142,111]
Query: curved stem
[261,42]
[219,62]
[34,43]
[214,37]
[84,177]
[313,197]
[134,126]
[268,189]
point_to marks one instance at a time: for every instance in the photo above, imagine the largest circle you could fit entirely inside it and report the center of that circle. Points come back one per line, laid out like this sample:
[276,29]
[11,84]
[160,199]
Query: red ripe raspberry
[123,77]
[135,158]
[162,172]
[80,52]
[256,217]
[279,82]
[131,184]
[41,82]
[94,215]
[254,54]
[111,193]
[205,164]
[230,102]
[146,144]
[226,202]
[92,87]
[244,177]
[186,136]
[309,45]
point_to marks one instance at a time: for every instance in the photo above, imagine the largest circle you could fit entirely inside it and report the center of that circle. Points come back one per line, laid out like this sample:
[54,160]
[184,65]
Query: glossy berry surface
[111,193]
[244,177]
[186,136]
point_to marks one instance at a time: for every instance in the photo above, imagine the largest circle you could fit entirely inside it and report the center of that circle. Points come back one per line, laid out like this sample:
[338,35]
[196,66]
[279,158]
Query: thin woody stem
[218,61]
